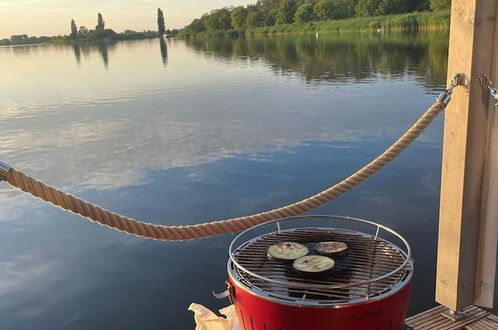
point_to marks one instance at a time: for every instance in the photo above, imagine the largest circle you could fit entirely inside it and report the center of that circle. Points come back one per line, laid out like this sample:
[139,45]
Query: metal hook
[485,82]
[445,97]
[4,169]
[457,80]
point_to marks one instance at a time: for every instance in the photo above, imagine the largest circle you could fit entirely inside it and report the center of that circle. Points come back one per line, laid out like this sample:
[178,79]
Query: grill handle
[228,293]
[222,295]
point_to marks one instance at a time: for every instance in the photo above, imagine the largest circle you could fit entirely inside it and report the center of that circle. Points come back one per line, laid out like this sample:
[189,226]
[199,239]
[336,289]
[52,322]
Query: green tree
[219,19]
[224,19]
[419,5]
[100,23]
[238,17]
[269,5]
[74,30]
[271,17]
[388,7]
[253,7]
[350,6]
[342,9]
[196,26]
[83,32]
[323,9]
[304,13]
[161,28]
[332,9]
[19,39]
[440,4]
[254,18]
[366,7]
[287,12]
[212,22]
[204,20]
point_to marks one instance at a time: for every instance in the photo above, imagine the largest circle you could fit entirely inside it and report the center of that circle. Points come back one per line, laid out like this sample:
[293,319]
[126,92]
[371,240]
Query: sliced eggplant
[287,251]
[332,249]
[313,265]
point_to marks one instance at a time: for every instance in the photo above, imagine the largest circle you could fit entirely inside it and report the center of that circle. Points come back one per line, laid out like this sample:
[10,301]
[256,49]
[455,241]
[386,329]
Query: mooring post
[488,230]
[465,214]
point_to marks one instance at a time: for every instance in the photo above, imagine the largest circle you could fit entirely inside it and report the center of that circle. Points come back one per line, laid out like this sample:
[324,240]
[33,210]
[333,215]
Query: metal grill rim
[406,255]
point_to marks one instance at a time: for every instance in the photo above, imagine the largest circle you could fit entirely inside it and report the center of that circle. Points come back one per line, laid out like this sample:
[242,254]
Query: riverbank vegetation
[271,16]
[411,21]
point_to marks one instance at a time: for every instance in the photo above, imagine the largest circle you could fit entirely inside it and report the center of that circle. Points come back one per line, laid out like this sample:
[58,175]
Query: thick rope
[160,232]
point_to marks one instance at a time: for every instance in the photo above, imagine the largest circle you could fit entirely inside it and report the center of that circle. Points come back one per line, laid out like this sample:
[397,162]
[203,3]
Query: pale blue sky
[52,17]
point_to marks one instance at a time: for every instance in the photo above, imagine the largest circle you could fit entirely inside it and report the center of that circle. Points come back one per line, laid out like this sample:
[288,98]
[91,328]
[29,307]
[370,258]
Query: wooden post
[488,233]
[472,37]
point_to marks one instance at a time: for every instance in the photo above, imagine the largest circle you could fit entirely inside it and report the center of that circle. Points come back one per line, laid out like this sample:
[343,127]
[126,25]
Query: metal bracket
[445,97]
[4,169]
[458,79]
[485,82]
[454,315]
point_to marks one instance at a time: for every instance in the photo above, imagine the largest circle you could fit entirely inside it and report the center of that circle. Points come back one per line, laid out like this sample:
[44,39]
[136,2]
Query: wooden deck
[476,319]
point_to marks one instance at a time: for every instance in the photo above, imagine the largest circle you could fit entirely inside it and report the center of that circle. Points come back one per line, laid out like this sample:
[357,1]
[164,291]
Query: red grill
[369,288]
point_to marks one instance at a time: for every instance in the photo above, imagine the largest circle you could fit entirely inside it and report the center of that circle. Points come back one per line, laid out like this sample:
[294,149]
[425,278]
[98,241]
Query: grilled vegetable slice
[287,251]
[313,265]
[332,249]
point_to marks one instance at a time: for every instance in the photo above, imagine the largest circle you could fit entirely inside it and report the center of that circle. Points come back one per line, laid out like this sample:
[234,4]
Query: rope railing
[122,223]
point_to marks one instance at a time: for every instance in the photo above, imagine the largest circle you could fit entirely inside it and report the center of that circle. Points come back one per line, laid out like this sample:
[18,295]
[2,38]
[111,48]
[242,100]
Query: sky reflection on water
[186,131]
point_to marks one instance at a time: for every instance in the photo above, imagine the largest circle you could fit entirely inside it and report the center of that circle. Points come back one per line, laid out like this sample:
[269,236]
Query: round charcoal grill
[368,289]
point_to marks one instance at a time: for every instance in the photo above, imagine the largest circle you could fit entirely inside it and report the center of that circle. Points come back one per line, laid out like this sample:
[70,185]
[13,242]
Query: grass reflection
[341,57]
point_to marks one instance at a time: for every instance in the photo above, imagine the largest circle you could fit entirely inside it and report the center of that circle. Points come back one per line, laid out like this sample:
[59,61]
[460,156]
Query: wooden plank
[490,322]
[477,319]
[488,232]
[428,314]
[471,47]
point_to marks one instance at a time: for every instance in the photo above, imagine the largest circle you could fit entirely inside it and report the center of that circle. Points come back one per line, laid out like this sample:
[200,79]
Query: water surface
[181,132]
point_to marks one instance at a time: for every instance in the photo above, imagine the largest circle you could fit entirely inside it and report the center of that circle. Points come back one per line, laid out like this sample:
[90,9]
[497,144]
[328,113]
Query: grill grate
[368,258]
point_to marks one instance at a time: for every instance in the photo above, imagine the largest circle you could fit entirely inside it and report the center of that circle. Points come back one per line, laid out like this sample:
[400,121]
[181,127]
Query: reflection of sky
[180,141]
[60,270]
[81,124]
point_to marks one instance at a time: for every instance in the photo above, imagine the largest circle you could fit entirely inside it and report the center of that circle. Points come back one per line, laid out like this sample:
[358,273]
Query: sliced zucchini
[287,251]
[313,265]
[332,249]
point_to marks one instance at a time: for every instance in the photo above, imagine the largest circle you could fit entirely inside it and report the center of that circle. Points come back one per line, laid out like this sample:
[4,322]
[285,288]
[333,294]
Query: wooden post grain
[488,230]
[472,35]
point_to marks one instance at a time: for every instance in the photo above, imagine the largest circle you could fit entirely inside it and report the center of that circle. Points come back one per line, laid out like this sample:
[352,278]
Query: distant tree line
[99,33]
[276,12]
[24,39]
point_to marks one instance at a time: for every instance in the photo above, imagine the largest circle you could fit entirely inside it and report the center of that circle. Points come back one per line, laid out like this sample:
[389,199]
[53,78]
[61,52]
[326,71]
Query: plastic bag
[205,319]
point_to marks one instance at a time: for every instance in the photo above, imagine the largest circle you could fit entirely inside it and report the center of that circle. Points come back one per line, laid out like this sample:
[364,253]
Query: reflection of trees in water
[77,53]
[164,50]
[86,49]
[342,57]
[104,52]
[23,50]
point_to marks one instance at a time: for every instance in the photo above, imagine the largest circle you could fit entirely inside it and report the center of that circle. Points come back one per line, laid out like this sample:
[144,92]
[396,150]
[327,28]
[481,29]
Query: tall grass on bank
[403,22]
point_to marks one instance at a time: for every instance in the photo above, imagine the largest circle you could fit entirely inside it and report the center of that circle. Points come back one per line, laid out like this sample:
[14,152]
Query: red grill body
[369,290]
[257,313]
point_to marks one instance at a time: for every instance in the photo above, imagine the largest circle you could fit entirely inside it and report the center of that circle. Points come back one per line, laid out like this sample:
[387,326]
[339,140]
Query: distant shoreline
[82,42]
[23,40]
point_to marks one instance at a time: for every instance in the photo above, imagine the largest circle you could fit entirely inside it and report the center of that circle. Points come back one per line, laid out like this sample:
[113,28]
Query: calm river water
[180,132]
